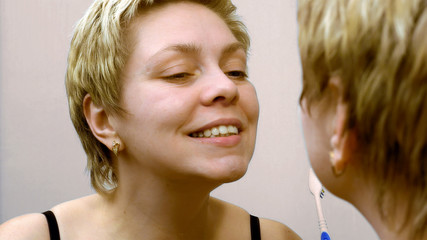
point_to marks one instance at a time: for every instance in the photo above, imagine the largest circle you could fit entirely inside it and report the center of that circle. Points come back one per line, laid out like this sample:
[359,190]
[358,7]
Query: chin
[227,173]
[234,176]
[338,186]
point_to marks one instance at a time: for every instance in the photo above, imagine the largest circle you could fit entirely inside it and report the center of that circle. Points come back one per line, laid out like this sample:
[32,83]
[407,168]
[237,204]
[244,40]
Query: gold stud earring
[115,147]
[331,156]
[336,172]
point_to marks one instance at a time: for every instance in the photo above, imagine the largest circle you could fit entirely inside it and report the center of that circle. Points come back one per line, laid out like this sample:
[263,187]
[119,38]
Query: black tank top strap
[54,230]
[53,225]
[255,228]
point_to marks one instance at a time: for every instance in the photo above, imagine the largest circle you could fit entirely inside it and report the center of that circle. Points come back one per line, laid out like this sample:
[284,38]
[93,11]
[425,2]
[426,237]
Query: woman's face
[183,83]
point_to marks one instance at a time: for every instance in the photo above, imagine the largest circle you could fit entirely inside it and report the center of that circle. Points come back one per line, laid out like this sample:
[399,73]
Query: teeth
[220,131]
[207,133]
[223,129]
[215,131]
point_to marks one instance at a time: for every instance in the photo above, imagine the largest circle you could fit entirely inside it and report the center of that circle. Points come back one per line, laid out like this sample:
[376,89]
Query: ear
[100,123]
[343,140]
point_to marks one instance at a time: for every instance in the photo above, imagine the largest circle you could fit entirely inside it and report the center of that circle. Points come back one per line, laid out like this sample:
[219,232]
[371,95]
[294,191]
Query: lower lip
[229,141]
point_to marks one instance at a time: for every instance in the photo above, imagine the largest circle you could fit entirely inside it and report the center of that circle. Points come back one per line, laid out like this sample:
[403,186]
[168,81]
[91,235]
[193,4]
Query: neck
[155,208]
[385,228]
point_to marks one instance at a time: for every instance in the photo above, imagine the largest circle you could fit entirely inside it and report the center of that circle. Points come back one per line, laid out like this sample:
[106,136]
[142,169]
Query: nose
[219,88]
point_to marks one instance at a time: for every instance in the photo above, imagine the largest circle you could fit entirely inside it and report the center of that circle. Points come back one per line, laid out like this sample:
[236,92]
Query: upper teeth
[220,131]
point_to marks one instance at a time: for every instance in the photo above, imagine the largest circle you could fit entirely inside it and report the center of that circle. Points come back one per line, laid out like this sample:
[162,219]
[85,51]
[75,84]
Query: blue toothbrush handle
[325,236]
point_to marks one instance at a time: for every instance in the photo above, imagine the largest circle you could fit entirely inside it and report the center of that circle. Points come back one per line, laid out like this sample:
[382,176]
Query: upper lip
[223,121]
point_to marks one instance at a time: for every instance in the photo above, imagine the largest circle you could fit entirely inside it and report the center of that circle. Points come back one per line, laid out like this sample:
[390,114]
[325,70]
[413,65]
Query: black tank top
[54,230]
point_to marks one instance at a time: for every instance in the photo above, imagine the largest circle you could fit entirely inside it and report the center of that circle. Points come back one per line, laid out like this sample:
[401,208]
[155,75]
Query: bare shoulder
[73,208]
[34,226]
[29,227]
[271,230]
[237,216]
[227,207]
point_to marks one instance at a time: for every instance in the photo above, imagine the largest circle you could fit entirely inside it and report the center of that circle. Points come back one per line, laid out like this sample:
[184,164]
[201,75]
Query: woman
[159,96]
[364,103]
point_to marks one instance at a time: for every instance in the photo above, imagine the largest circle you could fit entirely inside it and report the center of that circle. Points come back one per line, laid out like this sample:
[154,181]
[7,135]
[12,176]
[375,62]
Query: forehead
[178,23]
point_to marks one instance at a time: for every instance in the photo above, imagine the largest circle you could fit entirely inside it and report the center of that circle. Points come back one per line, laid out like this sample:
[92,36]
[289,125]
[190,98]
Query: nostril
[219,91]
[219,98]
[226,99]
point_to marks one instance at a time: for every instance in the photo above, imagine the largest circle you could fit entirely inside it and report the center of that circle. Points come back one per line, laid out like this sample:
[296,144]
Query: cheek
[249,101]
[312,137]
[306,128]
[150,111]
[161,103]
[317,144]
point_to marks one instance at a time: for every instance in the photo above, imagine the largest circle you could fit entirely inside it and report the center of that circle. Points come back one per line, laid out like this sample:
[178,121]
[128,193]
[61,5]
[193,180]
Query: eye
[237,75]
[178,76]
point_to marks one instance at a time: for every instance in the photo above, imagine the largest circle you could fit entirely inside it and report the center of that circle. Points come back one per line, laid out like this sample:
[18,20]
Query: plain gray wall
[43,164]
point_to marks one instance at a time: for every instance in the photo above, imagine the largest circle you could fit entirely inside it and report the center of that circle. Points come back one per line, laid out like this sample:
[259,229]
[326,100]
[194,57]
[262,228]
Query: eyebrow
[182,48]
[191,48]
[231,48]
[194,49]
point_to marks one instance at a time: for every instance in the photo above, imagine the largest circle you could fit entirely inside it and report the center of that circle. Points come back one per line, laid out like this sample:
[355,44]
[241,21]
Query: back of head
[378,48]
[98,53]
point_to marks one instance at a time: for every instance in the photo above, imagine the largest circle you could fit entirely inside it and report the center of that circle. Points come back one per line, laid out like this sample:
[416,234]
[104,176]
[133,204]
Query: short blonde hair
[97,55]
[379,50]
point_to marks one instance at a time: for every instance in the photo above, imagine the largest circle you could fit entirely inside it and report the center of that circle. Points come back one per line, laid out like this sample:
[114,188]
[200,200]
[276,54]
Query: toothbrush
[318,192]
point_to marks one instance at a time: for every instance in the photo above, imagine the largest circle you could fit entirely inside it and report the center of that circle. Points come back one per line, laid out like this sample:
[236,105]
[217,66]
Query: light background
[42,162]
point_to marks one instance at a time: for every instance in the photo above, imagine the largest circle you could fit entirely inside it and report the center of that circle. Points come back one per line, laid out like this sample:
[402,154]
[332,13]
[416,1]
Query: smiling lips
[218,131]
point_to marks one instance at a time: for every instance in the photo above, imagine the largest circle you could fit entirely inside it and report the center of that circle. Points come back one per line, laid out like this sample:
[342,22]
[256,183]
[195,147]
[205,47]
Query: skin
[186,73]
[324,131]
